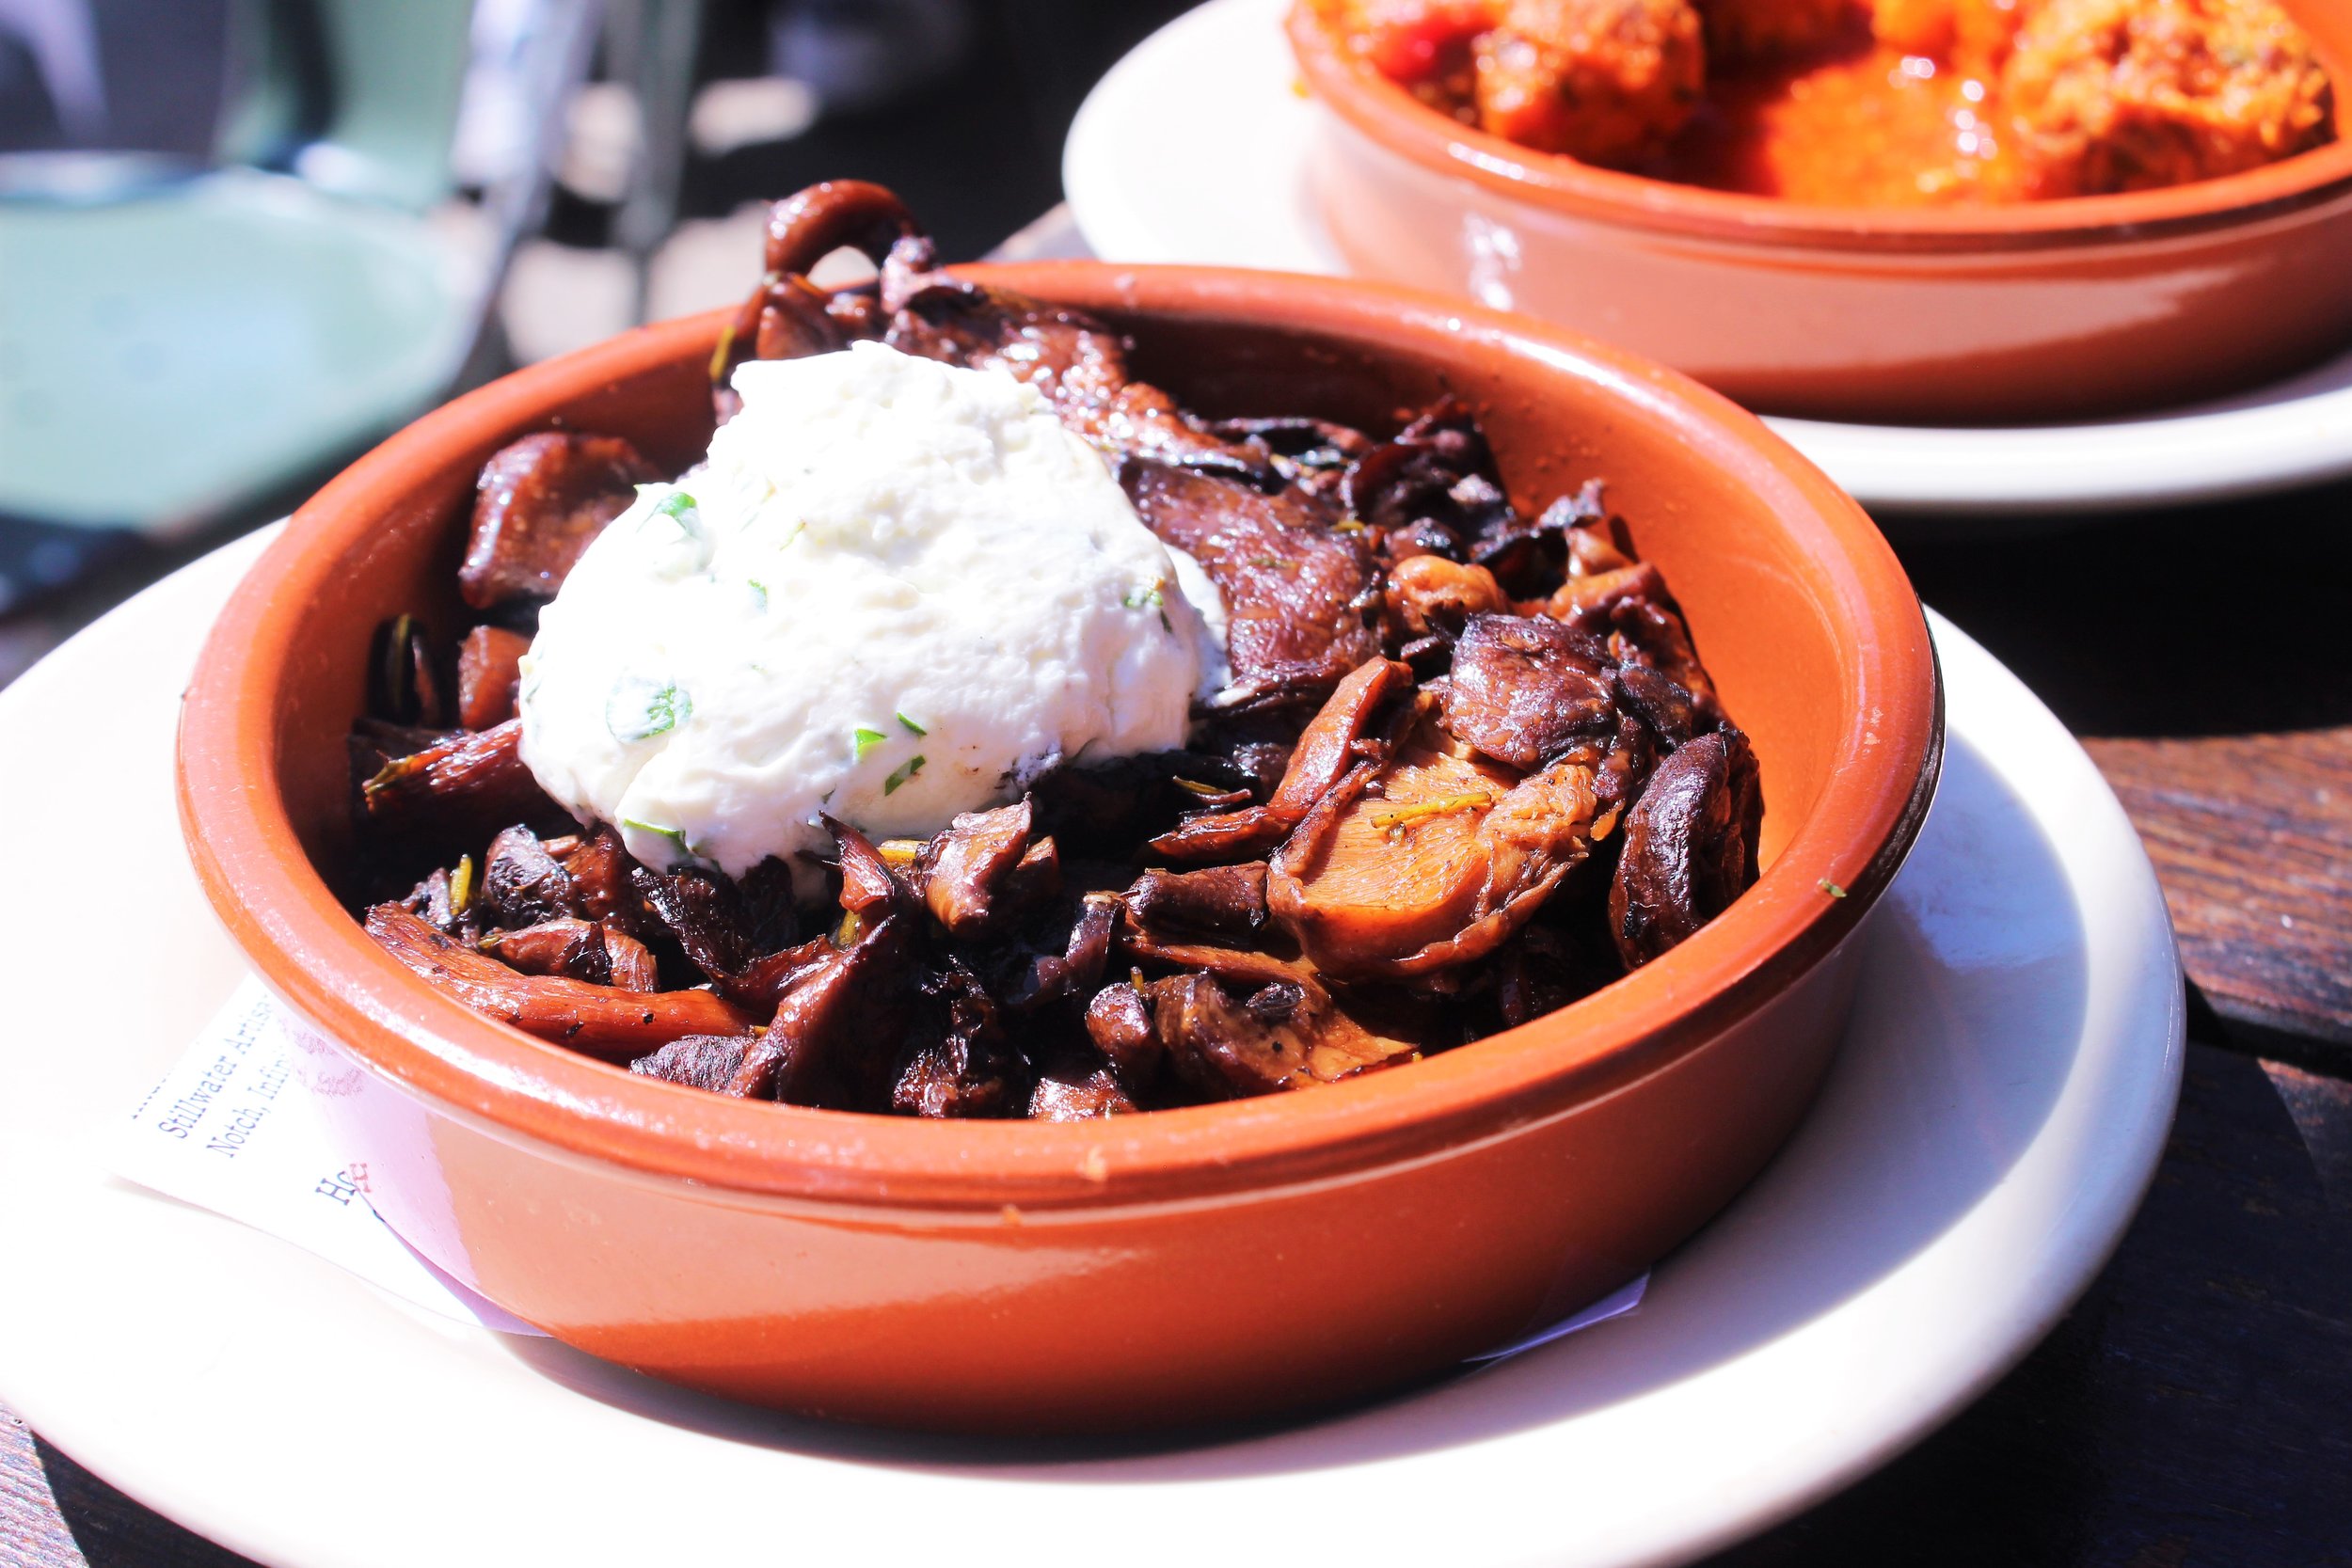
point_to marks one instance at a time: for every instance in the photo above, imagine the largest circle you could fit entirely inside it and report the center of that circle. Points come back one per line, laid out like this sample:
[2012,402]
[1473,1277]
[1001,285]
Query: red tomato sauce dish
[1870,102]
[1941,212]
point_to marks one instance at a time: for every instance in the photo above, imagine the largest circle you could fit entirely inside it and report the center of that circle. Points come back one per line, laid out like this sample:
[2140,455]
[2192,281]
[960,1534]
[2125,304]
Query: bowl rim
[1393,118]
[310,951]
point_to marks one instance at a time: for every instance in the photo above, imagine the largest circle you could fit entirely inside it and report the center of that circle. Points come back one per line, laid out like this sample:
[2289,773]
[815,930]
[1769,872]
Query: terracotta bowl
[2041,311]
[1181,1266]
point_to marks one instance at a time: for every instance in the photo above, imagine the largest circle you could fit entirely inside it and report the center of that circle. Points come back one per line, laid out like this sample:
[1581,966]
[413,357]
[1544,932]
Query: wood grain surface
[2205,659]
[2258,874]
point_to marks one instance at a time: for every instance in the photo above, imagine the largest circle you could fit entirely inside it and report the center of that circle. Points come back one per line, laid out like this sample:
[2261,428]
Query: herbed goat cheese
[896,589]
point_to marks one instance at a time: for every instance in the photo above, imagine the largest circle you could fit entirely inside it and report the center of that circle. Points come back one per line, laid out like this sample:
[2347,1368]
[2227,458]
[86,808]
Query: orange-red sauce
[1861,125]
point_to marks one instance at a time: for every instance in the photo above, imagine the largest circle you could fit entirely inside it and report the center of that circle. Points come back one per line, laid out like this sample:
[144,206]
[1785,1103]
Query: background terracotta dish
[1182,1265]
[2034,310]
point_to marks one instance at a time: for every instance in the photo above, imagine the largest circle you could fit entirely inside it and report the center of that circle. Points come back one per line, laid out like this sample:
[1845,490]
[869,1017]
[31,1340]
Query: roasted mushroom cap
[1690,846]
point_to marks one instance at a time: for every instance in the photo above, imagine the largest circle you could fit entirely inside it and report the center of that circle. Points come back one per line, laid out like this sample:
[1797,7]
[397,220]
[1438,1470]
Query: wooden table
[2196,1406]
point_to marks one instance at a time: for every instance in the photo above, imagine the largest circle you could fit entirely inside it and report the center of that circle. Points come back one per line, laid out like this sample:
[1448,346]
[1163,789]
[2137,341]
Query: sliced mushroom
[1328,748]
[522,884]
[829,1043]
[1119,1022]
[1079,1093]
[1296,589]
[1525,687]
[1228,1042]
[601,1020]
[462,788]
[703,913]
[1448,858]
[489,671]
[578,950]
[700,1061]
[961,872]
[964,1066]
[1428,594]
[1218,900]
[539,502]
[1050,977]
[1690,846]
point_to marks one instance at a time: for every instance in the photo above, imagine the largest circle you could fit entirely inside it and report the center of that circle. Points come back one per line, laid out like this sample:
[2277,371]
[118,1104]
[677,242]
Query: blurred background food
[241,239]
[1870,102]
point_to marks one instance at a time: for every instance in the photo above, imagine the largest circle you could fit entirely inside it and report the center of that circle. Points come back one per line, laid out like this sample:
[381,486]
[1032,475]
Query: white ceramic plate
[1196,149]
[1983,1138]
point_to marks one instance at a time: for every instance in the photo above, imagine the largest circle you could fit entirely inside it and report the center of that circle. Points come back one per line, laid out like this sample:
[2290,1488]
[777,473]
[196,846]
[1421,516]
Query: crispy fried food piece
[1297,590]
[1606,81]
[598,1021]
[1758,29]
[1450,857]
[489,662]
[1690,846]
[538,503]
[2127,95]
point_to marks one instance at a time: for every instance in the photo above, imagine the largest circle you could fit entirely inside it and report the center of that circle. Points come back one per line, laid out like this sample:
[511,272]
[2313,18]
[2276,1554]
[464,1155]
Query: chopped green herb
[759,591]
[911,724]
[644,707]
[865,740]
[1264,561]
[679,510]
[671,837]
[461,886]
[719,356]
[890,785]
[1832,889]
[1147,598]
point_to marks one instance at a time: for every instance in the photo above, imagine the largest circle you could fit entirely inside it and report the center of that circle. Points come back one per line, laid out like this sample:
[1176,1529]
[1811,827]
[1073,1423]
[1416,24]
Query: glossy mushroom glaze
[2008,312]
[1212,1261]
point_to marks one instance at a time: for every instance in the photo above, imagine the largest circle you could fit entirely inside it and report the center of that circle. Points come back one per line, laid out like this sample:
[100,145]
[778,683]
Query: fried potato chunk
[2128,95]
[1606,81]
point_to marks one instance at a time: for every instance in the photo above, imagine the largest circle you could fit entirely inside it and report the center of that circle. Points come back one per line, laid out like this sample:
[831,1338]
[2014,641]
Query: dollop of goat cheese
[896,590]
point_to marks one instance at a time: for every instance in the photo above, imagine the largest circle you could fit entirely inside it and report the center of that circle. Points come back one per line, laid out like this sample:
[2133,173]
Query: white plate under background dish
[1197,149]
[1983,1138]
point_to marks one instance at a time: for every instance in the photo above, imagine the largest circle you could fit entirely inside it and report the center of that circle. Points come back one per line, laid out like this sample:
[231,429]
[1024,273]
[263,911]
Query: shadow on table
[1963,1033]
[2219,620]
